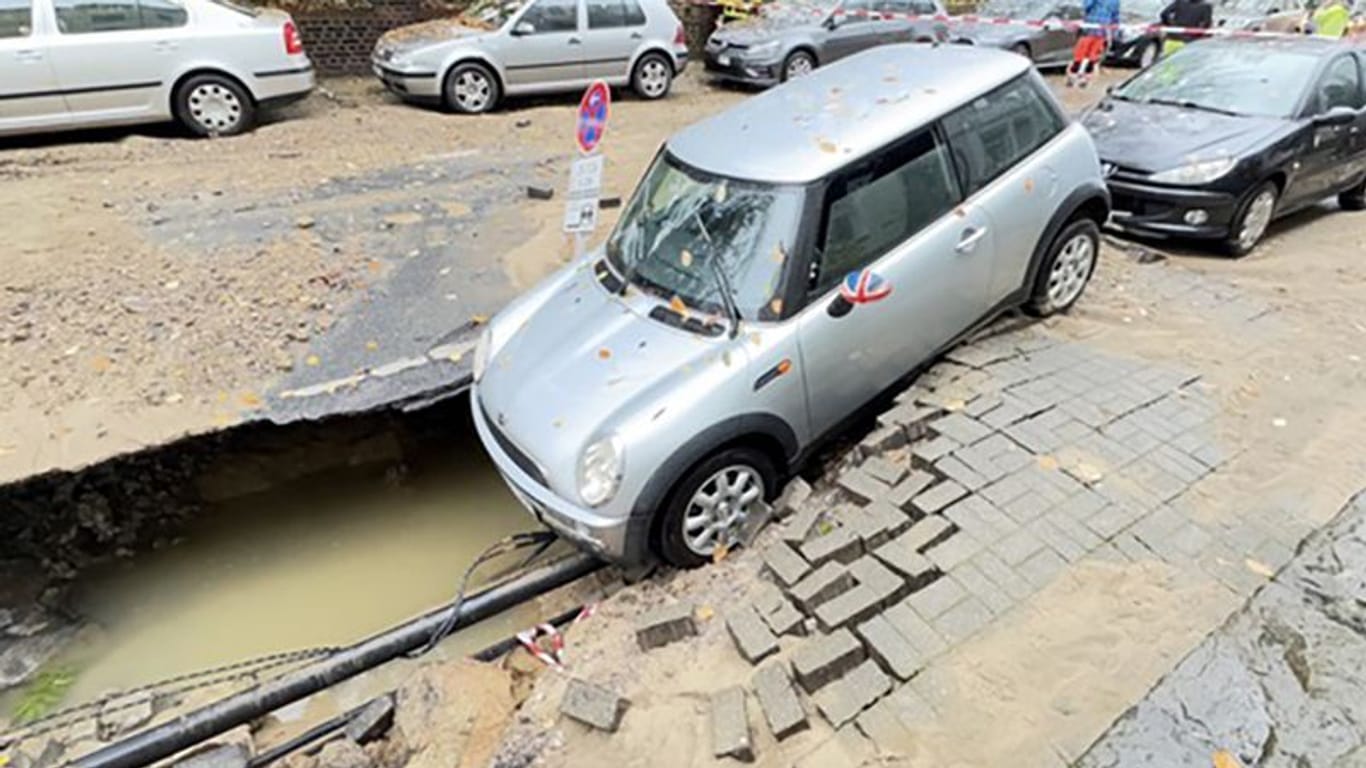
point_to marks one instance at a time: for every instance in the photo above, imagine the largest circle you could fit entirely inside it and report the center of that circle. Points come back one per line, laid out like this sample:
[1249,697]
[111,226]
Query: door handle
[29,55]
[636,36]
[574,41]
[164,45]
[969,239]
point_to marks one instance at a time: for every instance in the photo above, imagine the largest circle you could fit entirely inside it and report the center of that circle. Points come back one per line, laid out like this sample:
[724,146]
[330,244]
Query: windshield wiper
[722,282]
[1194,105]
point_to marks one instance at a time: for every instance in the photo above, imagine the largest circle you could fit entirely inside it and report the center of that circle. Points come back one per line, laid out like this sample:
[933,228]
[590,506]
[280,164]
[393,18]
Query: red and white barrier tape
[546,643]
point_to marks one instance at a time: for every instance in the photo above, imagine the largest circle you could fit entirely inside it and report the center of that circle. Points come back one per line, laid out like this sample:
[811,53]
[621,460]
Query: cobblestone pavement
[1281,684]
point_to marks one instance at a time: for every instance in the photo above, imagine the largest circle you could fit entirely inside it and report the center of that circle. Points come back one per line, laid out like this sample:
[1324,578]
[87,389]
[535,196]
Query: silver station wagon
[779,266]
[90,63]
[541,46]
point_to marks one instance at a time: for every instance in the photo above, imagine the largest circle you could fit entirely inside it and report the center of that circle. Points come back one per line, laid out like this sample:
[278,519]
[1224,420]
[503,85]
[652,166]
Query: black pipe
[195,727]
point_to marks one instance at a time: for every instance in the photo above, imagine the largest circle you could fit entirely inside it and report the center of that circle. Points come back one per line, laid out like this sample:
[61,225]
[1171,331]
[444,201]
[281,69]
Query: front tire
[1066,269]
[1152,51]
[214,105]
[471,89]
[1354,199]
[798,64]
[710,504]
[1254,216]
[653,77]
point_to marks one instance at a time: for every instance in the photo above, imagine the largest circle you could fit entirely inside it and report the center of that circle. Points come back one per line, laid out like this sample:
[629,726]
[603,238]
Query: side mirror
[523,28]
[832,22]
[1337,116]
[839,307]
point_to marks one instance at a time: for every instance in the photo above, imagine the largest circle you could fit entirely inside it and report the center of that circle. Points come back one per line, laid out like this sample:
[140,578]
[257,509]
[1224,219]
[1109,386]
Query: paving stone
[778,613]
[861,485]
[1162,484]
[954,469]
[1074,530]
[1007,489]
[786,566]
[821,585]
[593,705]
[1082,505]
[826,657]
[891,519]
[983,588]
[916,630]
[1191,539]
[938,497]
[976,517]
[752,637]
[1010,411]
[876,523]
[955,549]
[730,735]
[1040,569]
[1028,506]
[848,747]
[882,727]
[941,594]
[1018,547]
[844,699]
[1109,521]
[848,608]
[1131,548]
[927,452]
[884,438]
[901,494]
[907,706]
[896,655]
[795,495]
[925,533]
[1009,580]
[960,428]
[798,527]
[839,545]
[782,709]
[665,625]
[899,554]
[963,620]
[885,470]
[888,586]
[1058,540]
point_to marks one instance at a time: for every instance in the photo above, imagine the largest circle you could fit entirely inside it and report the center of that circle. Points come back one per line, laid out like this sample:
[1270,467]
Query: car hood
[415,37]
[582,357]
[992,34]
[1156,137]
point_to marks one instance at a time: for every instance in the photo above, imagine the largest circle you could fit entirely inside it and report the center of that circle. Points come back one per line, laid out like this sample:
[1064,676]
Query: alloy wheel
[1070,270]
[214,107]
[1257,218]
[719,508]
[798,66]
[472,90]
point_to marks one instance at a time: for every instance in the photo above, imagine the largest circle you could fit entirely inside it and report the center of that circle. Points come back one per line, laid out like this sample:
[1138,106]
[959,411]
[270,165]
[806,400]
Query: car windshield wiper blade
[1194,105]
[722,282]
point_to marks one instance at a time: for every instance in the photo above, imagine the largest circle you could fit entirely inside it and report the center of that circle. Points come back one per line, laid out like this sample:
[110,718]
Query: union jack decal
[865,287]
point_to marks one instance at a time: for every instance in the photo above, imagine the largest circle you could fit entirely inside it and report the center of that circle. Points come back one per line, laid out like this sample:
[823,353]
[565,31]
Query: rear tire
[653,77]
[1148,56]
[214,105]
[1066,269]
[1253,217]
[736,479]
[471,89]
[1354,199]
[1022,49]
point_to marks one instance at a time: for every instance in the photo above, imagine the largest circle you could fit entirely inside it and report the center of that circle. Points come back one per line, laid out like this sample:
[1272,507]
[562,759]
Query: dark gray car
[786,40]
[1043,35]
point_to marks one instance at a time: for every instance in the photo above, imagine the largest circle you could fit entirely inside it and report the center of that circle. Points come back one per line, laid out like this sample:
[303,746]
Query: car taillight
[293,43]
[681,37]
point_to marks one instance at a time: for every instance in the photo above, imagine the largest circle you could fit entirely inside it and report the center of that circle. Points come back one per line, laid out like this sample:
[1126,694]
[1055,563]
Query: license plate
[723,61]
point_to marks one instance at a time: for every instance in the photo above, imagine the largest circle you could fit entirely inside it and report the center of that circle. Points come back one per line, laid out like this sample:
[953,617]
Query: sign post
[585,175]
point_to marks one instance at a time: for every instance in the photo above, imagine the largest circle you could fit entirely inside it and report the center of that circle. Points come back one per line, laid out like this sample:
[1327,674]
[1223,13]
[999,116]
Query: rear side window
[16,18]
[79,17]
[994,132]
[1340,85]
[606,14]
[553,16]
[879,204]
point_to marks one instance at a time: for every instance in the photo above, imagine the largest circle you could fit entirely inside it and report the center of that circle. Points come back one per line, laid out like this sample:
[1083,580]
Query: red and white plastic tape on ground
[546,642]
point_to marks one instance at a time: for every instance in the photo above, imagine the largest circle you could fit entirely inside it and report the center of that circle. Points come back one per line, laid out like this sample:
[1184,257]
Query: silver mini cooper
[780,265]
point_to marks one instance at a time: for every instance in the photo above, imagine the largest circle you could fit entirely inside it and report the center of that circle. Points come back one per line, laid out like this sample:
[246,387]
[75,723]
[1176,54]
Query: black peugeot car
[1226,135]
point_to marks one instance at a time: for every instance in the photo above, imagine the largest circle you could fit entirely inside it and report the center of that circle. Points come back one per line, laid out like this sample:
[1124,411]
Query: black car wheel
[1254,216]
[471,89]
[1023,50]
[1354,199]
[1149,54]
[710,504]
[214,105]
[797,64]
[653,76]
[1066,269]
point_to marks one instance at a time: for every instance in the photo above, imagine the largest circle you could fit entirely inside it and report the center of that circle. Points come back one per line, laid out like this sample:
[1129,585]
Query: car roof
[805,129]
[1308,44]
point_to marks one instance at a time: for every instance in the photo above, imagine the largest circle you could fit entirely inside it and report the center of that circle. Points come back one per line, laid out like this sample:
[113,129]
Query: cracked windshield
[682,382]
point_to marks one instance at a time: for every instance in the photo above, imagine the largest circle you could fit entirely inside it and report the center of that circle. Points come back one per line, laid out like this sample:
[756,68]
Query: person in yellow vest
[1330,19]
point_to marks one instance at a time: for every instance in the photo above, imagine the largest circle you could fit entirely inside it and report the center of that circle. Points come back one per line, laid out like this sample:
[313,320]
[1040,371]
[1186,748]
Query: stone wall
[340,40]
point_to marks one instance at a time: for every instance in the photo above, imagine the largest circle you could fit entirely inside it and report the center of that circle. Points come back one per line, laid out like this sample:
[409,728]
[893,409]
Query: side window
[16,18]
[855,11]
[553,16]
[159,14]
[1340,85]
[606,14]
[875,206]
[79,17]
[997,130]
[1069,12]
[924,7]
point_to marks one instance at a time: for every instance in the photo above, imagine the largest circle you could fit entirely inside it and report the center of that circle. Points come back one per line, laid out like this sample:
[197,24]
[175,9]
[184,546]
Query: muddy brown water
[321,560]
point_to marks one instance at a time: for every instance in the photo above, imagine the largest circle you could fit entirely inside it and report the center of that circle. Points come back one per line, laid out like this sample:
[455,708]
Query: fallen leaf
[373,265]
[777,306]
[479,319]
[779,255]
[1048,462]
[719,554]
[685,257]
[251,400]
[677,305]
[101,363]
[756,338]
[312,361]
[956,405]
[604,353]
[1259,568]
[1278,422]
[1225,759]
[721,192]
[372,345]
[1028,185]
[705,613]
[827,146]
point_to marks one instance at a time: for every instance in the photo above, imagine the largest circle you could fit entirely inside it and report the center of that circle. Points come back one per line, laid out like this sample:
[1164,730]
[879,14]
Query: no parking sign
[593,111]
[585,176]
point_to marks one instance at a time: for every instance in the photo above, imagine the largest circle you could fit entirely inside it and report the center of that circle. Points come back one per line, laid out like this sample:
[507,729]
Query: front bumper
[414,85]
[610,538]
[722,65]
[1160,211]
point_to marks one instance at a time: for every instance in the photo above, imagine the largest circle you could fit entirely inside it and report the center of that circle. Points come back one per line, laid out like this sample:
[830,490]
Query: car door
[1356,143]
[616,28]
[29,94]
[852,28]
[1059,34]
[1000,147]
[892,237]
[1325,163]
[546,49]
[114,58]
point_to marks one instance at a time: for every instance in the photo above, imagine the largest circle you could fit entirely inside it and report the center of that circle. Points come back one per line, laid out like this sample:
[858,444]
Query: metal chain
[196,680]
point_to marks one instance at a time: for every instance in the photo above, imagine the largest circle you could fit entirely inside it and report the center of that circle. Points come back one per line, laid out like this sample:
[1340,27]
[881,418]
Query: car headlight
[1199,172]
[764,50]
[600,471]
[481,353]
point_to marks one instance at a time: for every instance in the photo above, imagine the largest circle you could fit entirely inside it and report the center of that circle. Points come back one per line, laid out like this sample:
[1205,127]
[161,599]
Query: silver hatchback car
[541,46]
[644,400]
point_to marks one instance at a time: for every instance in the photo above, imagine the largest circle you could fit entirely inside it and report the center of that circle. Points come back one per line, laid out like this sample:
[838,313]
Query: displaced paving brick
[778,613]
[752,637]
[851,607]
[901,494]
[983,588]
[885,470]
[893,652]
[842,700]
[910,416]
[795,495]
[665,625]
[938,497]
[799,526]
[899,554]
[954,469]
[916,630]
[886,437]
[861,485]
[1017,547]
[822,584]
[963,620]
[956,549]
[782,709]
[786,566]
[826,657]
[1042,567]
[888,586]
[730,725]
[926,533]
[839,545]
[961,428]
[891,519]
[942,594]
[876,523]
[593,705]
[927,452]
[882,727]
